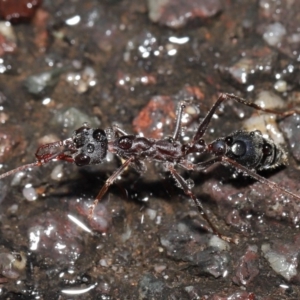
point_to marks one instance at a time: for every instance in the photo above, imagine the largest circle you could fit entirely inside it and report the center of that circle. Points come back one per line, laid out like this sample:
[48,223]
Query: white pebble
[151,213]
[280,86]
[265,122]
[218,243]
[7,30]
[284,265]
[274,33]
[159,268]
[57,172]
[13,209]
[126,235]
[29,193]
[103,262]
[267,125]
[270,100]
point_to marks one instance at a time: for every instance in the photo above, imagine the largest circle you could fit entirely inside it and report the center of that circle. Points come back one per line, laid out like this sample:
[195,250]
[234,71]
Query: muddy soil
[130,63]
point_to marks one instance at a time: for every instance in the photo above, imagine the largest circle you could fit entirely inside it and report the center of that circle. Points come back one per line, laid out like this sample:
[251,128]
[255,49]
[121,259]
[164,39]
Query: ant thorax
[144,148]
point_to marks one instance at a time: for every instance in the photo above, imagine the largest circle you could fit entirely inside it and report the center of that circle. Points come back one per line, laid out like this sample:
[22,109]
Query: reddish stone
[235,296]
[18,10]
[40,22]
[6,46]
[177,13]
[156,115]
[247,268]
[195,92]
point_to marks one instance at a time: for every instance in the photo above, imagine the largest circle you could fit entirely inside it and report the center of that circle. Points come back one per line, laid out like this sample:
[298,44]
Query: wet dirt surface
[130,63]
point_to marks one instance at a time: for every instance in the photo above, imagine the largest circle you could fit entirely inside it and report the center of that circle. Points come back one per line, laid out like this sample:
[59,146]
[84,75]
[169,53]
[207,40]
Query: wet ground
[130,63]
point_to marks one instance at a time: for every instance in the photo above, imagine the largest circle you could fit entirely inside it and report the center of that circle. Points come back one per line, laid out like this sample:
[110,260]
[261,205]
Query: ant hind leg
[182,183]
[224,97]
[269,183]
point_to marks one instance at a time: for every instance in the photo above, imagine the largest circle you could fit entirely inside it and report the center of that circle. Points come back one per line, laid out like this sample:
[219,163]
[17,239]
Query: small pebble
[57,173]
[274,34]
[280,86]
[29,193]
[159,268]
[218,243]
[151,213]
[103,263]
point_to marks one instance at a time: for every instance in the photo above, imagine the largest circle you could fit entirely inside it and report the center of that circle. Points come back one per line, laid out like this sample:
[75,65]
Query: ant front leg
[108,183]
[182,183]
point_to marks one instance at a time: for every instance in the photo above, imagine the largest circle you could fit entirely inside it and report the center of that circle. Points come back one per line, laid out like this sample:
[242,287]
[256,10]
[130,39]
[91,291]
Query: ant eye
[90,148]
[82,160]
[125,142]
[79,142]
[99,135]
[238,148]
[267,149]
[229,140]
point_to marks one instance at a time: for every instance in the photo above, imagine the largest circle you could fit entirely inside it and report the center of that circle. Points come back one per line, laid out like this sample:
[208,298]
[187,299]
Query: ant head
[89,146]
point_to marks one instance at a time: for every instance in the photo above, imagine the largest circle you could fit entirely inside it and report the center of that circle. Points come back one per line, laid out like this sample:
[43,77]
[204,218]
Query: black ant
[246,151]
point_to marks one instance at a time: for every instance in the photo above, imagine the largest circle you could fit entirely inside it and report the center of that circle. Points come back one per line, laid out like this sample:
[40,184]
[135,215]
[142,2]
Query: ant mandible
[246,151]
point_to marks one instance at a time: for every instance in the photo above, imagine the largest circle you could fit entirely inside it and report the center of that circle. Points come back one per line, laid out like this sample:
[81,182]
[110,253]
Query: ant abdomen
[254,151]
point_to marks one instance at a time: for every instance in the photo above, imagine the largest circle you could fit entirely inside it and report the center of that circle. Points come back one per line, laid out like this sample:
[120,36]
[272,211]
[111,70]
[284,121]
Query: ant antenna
[44,154]
[22,168]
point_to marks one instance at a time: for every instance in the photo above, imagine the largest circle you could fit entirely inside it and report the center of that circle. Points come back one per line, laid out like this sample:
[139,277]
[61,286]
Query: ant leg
[117,129]
[107,183]
[259,178]
[19,169]
[205,122]
[202,166]
[182,183]
[178,122]
[257,107]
